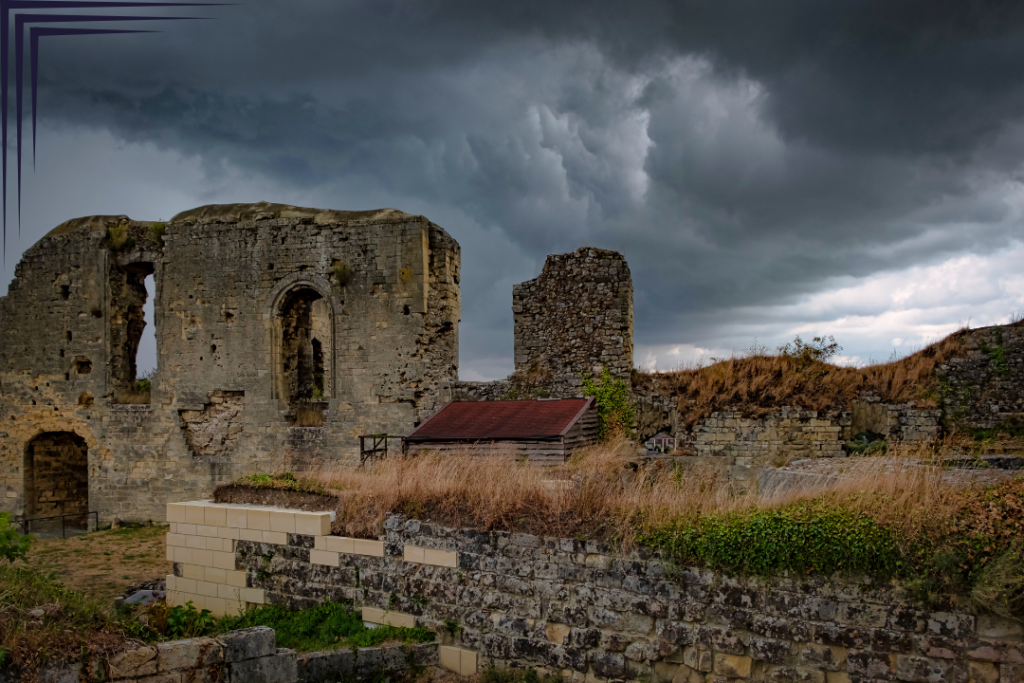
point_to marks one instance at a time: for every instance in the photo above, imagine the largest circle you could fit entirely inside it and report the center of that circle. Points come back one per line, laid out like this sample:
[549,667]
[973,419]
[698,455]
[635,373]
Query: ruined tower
[261,310]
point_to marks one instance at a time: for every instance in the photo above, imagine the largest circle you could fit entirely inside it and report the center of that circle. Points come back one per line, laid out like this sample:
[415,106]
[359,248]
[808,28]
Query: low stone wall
[577,608]
[246,656]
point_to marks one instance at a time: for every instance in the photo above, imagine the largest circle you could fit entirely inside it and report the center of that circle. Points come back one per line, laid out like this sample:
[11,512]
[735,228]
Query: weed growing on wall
[118,237]
[615,411]
[156,232]
[803,538]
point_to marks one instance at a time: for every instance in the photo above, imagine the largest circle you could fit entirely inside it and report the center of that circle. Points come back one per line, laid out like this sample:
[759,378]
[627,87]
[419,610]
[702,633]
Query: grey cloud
[740,153]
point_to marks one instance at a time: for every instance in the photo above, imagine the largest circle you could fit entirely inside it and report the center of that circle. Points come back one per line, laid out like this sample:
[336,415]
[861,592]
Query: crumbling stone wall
[984,388]
[577,608]
[576,317]
[387,289]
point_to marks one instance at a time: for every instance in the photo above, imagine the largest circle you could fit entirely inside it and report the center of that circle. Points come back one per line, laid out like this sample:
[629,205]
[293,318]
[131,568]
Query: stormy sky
[768,169]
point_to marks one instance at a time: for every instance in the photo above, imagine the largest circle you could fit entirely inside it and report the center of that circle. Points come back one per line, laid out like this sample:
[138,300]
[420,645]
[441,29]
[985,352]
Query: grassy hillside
[761,381]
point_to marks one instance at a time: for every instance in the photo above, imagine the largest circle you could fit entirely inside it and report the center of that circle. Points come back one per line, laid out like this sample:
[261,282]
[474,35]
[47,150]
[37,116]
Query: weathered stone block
[249,643]
[188,654]
[732,666]
[280,667]
[134,663]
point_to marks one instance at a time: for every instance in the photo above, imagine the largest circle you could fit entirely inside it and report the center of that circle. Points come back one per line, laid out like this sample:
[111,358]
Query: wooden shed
[547,430]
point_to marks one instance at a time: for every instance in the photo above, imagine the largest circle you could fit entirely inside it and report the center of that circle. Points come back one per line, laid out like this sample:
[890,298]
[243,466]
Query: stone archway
[57,477]
[303,345]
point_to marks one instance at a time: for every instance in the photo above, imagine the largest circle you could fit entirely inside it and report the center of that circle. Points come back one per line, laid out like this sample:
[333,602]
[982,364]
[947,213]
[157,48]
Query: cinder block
[235,578]
[275,537]
[372,615]
[175,598]
[313,523]
[457,659]
[250,535]
[176,512]
[413,554]
[204,530]
[206,588]
[215,575]
[234,607]
[468,661]
[186,529]
[324,557]
[195,542]
[258,519]
[440,558]
[223,560]
[217,606]
[335,544]
[362,546]
[216,516]
[183,555]
[172,527]
[169,582]
[185,585]
[229,592]
[195,514]
[282,521]
[228,532]
[170,553]
[256,596]
[176,540]
[203,557]
[236,517]
[193,571]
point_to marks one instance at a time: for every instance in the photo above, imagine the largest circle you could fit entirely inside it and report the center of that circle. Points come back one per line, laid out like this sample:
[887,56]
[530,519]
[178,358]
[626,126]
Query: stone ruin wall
[216,411]
[575,317]
[578,608]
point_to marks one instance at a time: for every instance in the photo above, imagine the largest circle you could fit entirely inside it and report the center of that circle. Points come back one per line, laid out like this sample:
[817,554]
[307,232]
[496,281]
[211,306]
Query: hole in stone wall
[65,292]
[127,323]
[305,346]
[406,310]
[57,478]
[62,353]
[68,335]
[83,366]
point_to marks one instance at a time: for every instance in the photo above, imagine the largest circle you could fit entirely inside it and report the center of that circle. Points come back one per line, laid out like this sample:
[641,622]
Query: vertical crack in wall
[214,430]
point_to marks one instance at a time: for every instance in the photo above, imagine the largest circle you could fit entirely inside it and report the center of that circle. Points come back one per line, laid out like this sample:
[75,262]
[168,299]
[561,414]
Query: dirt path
[104,563]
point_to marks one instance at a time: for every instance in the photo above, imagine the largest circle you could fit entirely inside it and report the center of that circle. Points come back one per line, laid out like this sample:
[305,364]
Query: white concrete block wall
[202,540]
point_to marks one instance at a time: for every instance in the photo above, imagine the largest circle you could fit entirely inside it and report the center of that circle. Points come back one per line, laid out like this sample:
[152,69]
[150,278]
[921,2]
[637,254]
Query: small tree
[615,411]
[820,349]
[13,544]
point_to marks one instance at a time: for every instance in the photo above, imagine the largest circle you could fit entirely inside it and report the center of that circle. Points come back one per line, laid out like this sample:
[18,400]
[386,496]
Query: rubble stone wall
[577,607]
[575,317]
[390,282]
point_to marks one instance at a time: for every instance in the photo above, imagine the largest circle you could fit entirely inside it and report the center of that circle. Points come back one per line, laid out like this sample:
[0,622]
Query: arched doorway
[57,477]
[304,343]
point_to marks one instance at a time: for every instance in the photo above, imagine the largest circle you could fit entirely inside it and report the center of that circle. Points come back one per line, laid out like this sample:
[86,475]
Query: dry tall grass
[308,415]
[599,494]
[758,382]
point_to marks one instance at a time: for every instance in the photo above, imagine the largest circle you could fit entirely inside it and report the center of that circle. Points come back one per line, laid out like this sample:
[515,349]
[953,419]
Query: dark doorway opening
[57,478]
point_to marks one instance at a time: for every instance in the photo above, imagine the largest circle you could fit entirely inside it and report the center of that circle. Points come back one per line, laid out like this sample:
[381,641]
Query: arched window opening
[128,298]
[305,324]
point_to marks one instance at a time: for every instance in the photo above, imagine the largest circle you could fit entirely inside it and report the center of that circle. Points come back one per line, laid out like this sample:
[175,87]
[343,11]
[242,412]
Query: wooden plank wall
[584,433]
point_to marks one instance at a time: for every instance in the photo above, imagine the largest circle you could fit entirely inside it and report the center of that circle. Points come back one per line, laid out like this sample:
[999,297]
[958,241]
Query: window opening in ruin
[130,317]
[305,346]
[57,479]
[65,292]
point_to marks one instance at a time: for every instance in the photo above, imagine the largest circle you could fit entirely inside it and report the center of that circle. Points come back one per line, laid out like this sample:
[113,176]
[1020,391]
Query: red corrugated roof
[485,420]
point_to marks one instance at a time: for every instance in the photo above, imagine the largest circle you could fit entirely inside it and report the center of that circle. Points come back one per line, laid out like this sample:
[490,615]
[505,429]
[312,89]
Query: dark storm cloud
[739,153]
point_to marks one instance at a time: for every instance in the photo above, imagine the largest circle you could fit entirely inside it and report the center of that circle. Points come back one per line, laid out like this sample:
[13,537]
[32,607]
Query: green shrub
[14,545]
[326,626]
[157,231]
[119,238]
[803,538]
[615,411]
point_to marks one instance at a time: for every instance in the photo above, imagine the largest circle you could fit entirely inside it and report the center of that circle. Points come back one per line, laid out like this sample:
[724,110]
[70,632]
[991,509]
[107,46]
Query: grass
[894,516]
[759,381]
[308,415]
[97,563]
[332,625]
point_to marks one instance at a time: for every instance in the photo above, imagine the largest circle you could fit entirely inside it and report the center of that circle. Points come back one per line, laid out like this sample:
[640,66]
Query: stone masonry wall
[390,282]
[247,656]
[985,388]
[574,318]
[576,607]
